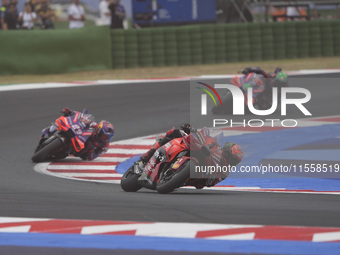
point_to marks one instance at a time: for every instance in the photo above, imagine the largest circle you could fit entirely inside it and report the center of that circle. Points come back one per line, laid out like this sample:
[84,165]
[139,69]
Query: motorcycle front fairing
[203,143]
[76,129]
[205,150]
[163,158]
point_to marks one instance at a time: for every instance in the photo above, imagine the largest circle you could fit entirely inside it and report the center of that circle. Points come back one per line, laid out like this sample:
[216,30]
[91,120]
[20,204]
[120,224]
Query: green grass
[175,71]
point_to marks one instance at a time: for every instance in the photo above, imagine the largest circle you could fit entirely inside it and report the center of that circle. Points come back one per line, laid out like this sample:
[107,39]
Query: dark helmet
[105,131]
[232,153]
[186,128]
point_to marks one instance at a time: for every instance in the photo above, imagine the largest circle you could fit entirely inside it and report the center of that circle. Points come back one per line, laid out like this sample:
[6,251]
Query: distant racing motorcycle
[69,139]
[262,84]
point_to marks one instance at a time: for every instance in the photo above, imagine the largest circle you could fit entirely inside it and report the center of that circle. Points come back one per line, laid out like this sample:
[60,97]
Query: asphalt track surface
[67,251]
[135,110]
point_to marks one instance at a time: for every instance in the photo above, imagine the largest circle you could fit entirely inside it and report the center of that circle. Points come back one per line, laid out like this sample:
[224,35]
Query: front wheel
[129,181]
[49,150]
[172,180]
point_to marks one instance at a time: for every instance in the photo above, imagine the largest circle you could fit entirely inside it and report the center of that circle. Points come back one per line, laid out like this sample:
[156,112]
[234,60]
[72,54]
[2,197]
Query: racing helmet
[105,131]
[232,153]
[281,78]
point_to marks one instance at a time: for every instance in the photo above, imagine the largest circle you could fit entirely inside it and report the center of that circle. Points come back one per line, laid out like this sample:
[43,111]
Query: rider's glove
[67,112]
[94,125]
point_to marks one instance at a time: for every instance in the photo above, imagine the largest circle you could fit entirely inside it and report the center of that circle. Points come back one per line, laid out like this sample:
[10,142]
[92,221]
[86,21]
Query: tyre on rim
[174,179]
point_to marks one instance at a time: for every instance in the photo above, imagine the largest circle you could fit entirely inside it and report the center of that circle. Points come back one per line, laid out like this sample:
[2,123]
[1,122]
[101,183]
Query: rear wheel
[172,180]
[53,147]
[129,181]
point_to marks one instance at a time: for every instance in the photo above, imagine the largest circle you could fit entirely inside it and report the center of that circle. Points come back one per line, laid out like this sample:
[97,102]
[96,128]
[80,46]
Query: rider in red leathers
[171,134]
[228,155]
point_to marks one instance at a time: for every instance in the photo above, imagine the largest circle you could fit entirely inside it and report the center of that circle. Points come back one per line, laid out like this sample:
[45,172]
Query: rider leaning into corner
[258,78]
[230,155]
[278,74]
[97,143]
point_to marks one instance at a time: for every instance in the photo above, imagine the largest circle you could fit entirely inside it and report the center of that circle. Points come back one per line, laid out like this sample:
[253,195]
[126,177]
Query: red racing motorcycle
[170,166]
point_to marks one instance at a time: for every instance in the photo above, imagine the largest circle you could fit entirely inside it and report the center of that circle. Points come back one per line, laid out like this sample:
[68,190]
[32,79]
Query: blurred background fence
[211,43]
[95,48]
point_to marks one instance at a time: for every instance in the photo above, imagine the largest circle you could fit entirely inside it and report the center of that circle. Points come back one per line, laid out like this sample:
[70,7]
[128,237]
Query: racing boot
[139,167]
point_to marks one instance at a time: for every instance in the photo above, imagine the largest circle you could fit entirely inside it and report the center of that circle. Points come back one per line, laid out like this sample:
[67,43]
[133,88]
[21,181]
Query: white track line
[159,81]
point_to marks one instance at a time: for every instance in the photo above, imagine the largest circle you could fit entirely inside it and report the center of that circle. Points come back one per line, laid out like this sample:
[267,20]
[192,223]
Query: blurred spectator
[33,4]
[104,13]
[27,17]
[4,5]
[3,9]
[76,15]
[288,12]
[10,20]
[45,14]
[278,14]
[295,12]
[292,12]
[117,14]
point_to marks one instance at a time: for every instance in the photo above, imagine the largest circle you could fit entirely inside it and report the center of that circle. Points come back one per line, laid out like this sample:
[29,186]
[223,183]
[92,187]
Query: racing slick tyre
[129,181]
[169,182]
[47,152]
[227,104]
